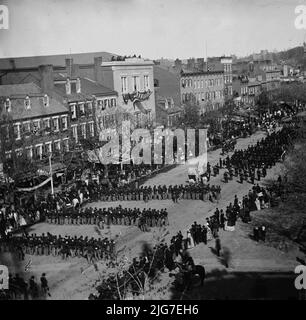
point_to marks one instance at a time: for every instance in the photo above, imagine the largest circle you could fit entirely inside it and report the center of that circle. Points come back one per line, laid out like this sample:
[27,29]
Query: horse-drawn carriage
[187,274]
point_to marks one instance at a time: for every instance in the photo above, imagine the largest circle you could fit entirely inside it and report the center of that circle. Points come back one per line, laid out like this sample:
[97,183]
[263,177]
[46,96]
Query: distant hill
[55,60]
[293,56]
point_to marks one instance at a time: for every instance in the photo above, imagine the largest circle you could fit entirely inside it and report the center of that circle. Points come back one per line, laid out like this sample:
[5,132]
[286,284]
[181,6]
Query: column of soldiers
[197,191]
[253,162]
[48,244]
[105,216]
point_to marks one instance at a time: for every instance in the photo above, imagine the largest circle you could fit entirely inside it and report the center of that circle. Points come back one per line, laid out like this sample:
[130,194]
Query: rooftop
[17,95]
[199,73]
[55,60]
[17,89]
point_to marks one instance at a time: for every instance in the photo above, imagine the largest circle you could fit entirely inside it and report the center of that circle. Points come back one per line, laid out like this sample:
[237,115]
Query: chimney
[12,63]
[78,85]
[69,65]
[97,69]
[46,76]
[68,86]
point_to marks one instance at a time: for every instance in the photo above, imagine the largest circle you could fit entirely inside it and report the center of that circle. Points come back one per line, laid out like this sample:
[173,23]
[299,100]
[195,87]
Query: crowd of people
[252,163]
[52,245]
[105,216]
[20,289]
[198,191]
[261,156]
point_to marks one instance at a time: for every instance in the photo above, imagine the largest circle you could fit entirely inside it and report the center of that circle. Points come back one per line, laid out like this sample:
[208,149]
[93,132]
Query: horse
[186,275]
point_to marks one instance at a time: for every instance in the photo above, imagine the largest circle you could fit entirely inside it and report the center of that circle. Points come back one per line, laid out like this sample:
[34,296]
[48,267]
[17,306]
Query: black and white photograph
[152,150]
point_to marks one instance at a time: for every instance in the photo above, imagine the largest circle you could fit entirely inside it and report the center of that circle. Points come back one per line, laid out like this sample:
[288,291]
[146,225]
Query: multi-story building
[167,114]
[91,106]
[133,79]
[34,123]
[206,88]
[240,89]
[223,64]
[254,90]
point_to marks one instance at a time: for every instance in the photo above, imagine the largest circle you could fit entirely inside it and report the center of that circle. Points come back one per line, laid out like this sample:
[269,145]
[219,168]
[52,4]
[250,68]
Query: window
[29,152]
[91,129]
[146,83]
[46,100]
[149,115]
[8,105]
[27,103]
[83,130]
[47,125]
[36,125]
[73,111]
[136,83]
[57,145]
[38,151]
[27,128]
[202,84]
[89,108]
[82,109]
[55,124]
[113,102]
[17,131]
[7,131]
[48,147]
[75,132]
[66,145]
[8,154]
[64,123]
[124,88]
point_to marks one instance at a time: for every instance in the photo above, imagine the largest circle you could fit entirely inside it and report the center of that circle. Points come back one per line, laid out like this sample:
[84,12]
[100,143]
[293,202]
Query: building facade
[206,88]
[167,114]
[133,79]
[34,124]
[224,64]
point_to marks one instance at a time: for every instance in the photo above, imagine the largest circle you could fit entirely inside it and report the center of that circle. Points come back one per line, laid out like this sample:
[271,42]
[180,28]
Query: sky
[152,28]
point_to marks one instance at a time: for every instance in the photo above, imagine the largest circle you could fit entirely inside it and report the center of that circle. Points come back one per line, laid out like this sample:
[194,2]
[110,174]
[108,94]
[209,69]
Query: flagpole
[50,167]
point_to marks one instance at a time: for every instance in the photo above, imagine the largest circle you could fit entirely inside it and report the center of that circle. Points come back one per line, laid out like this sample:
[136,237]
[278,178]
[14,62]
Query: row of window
[172,118]
[228,67]
[80,110]
[203,96]
[106,103]
[38,151]
[45,125]
[228,79]
[133,83]
[197,84]
[83,130]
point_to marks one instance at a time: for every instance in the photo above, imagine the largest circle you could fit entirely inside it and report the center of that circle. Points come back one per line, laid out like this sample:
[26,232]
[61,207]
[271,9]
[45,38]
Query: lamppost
[50,169]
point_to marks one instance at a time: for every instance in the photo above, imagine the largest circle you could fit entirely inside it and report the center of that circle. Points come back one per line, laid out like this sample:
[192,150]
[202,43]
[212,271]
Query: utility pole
[50,168]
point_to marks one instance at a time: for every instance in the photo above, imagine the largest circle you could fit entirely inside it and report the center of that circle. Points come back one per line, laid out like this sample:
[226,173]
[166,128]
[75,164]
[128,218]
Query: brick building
[34,123]
[206,88]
